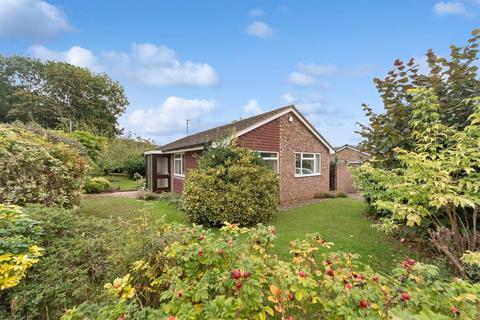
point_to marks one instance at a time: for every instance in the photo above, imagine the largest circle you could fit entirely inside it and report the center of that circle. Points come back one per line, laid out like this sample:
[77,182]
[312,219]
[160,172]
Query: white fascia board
[172,151]
[354,149]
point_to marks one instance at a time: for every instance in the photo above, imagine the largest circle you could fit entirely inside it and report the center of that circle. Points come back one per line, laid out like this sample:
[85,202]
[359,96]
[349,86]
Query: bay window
[307,164]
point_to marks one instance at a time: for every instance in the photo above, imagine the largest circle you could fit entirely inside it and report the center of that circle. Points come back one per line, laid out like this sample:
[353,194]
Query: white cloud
[311,105]
[256,12]
[170,117]
[300,79]
[260,29]
[75,55]
[317,69]
[252,107]
[451,8]
[147,64]
[31,18]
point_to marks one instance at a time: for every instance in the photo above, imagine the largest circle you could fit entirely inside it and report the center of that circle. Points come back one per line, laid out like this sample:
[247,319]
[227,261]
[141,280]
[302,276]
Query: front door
[163,173]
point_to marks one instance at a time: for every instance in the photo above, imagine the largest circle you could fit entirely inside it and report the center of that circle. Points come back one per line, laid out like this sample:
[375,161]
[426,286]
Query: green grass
[340,221]
[122,183]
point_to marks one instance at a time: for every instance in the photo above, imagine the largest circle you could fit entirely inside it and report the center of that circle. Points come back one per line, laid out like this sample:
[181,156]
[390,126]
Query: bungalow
[283,137]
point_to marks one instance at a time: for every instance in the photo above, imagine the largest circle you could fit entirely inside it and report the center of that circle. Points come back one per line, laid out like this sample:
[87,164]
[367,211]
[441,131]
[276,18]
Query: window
[179,164]
[271,158]
[307,164]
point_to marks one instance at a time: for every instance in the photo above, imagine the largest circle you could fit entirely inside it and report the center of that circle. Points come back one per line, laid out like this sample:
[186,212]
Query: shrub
[18,248]
[342,195]
[134,165]
[172,198]
[230,184]
[96,185]
[81,253]
[150,196]
[231,275]
[39,169]
[324,195]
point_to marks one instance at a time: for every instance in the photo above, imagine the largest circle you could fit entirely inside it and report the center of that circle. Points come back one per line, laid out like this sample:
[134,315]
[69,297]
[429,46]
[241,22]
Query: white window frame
[270,158]
[317,171]
[182,167]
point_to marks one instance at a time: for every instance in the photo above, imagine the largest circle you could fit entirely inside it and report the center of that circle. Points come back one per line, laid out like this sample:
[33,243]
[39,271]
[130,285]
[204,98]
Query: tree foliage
[230,184]
[437,183]
[451,79]
[59,95]
[37,168]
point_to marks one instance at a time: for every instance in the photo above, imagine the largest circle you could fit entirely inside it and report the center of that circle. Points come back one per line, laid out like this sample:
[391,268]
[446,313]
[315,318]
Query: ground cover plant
[232,275]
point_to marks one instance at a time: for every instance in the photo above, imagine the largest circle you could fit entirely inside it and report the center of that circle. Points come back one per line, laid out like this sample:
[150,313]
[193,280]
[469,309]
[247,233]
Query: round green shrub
[231,184]
[96,185]
[37,168]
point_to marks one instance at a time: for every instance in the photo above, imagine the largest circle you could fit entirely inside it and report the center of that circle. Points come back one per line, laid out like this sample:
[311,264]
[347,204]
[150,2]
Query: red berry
[171,318]
[121,317]
[230,241]
[291,296]
[236,274]
[200,252]
[455,310]
[359,277]
[301,274]
[290,318]
[238,284]
[329,272]
[375,278]
[246,274]
[405,296]
[180,293]
[362,304]
[348,286]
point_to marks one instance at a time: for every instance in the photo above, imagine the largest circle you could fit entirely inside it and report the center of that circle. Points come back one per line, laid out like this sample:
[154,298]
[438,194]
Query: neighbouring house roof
[347,146]
[239,127]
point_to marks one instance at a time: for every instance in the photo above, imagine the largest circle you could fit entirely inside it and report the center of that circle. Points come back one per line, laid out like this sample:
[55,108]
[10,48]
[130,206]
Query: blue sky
[216,61]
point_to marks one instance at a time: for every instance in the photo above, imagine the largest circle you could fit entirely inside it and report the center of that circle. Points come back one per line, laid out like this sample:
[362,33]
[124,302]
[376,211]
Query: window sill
[307,175]
[179,175]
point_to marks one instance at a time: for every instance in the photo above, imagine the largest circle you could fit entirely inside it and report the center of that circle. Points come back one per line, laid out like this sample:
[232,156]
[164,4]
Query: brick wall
[295,137]
[346,159]
[191,162]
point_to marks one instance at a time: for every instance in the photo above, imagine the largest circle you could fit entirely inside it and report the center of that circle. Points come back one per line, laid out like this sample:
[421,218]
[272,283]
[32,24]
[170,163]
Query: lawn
[122,183]
[338,220]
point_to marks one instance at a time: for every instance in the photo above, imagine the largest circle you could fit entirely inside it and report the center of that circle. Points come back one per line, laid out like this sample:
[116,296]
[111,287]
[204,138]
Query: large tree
[452,80]
[59,95]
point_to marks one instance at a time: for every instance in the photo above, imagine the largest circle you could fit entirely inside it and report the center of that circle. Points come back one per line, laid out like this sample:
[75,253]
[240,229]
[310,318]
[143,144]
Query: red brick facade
[176,182]
[346,159]
[296,137]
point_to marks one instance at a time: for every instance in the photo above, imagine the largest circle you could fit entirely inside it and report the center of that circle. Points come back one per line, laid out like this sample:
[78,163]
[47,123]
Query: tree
[436,183]
[59,95]
[452,80]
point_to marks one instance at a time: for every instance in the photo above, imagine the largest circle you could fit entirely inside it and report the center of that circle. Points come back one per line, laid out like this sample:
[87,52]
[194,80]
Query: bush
[134,165]
[150,196]
[38,168]
[230,184]
[81,253]
[324,195]
[342,195]
[18,245]
[172,198]
[96,185]
[200,274]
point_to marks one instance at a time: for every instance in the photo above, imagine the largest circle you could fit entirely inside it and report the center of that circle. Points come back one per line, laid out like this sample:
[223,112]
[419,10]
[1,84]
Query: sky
[217,61]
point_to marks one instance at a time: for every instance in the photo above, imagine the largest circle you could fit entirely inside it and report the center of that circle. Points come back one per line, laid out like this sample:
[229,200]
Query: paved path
[122,194]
